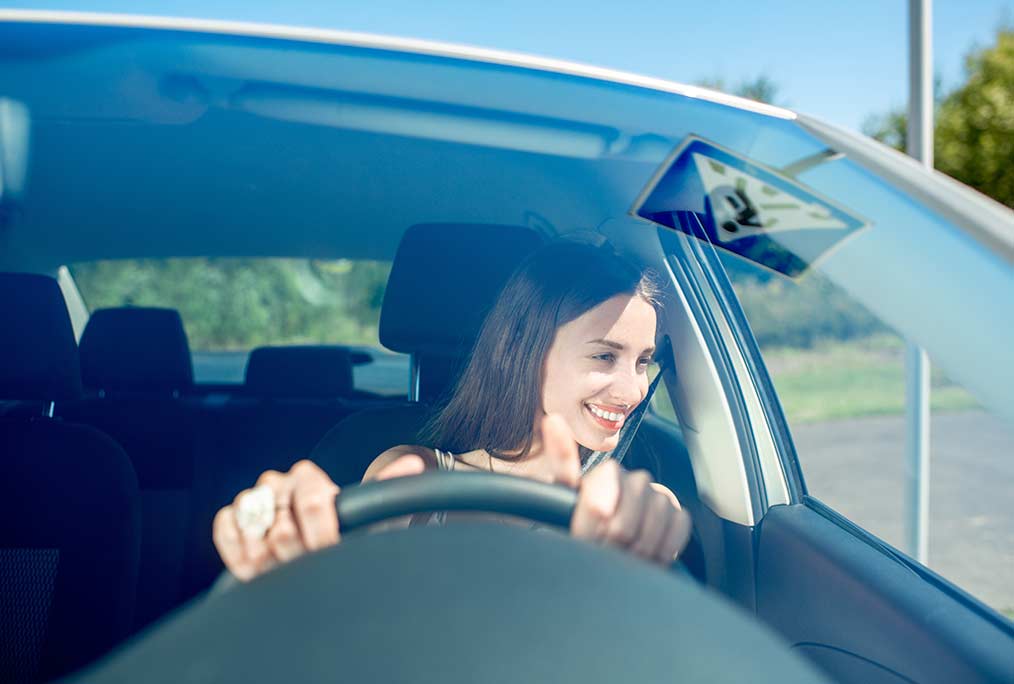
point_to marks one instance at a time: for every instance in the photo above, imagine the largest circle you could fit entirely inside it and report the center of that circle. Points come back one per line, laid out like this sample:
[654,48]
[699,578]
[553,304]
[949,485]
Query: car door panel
[865,613]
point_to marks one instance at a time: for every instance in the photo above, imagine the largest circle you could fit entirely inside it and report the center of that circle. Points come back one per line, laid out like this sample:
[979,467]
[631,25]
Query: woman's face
[596,370]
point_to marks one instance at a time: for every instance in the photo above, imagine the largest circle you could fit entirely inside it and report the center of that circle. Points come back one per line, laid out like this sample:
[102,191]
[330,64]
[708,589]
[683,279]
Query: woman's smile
[609,417]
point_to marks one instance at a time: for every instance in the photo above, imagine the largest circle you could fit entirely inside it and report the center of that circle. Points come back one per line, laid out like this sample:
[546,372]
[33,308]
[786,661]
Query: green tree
[974,126]
[242,303]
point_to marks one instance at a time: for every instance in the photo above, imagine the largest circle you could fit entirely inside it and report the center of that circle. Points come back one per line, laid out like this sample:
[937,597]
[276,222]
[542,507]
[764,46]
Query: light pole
[917,365]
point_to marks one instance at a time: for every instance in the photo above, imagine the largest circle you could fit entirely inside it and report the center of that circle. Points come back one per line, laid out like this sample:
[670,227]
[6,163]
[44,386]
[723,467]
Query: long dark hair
[494,402]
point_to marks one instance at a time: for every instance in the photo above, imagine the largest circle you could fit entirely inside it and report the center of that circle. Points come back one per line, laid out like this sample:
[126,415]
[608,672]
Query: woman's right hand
[306,518]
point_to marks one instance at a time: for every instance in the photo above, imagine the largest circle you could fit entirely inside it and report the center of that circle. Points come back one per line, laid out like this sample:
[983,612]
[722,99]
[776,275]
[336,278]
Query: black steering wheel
[372,502]
[458,604]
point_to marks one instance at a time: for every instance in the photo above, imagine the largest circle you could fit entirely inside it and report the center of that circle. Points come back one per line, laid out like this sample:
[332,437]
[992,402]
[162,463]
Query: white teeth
[607,415]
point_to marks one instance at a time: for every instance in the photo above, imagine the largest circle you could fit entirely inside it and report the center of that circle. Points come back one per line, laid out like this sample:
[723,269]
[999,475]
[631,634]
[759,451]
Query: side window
[840,376]
[661,403]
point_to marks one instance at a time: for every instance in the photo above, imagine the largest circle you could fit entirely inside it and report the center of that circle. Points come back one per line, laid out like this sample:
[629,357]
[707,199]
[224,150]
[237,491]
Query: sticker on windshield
[753,211]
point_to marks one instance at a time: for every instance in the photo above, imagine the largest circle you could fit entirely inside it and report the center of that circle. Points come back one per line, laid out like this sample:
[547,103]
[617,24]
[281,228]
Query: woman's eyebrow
[616,345]
[607,343]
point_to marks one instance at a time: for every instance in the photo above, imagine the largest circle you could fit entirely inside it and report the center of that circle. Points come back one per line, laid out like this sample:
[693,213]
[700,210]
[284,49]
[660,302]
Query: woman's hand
[306,518]
[625,509]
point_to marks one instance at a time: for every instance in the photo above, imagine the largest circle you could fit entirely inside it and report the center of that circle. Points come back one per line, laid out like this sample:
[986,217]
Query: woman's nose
[629,388]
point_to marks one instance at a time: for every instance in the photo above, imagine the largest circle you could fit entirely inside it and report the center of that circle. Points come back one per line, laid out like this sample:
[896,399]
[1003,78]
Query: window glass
[661,403]
[230,306]
[840,376]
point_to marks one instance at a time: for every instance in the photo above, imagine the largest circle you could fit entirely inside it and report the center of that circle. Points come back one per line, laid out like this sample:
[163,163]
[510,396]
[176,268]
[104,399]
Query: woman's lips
[610,425]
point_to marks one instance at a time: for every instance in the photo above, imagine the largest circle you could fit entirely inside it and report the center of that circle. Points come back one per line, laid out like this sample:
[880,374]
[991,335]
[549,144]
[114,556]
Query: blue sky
[840,61]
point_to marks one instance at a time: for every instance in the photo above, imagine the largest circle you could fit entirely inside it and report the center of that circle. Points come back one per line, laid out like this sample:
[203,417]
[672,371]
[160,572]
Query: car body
[157,138]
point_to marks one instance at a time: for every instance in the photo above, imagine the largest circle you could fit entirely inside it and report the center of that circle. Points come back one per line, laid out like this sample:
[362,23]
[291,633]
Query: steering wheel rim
[372,502]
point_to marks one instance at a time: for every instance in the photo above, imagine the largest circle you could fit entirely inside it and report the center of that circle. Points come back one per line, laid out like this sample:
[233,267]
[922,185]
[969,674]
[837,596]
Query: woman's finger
[314,514]
[597,500]
[282,538]
[256,555]
[659,515]
[676,537]
[625,525]
[561,451]
[225,534]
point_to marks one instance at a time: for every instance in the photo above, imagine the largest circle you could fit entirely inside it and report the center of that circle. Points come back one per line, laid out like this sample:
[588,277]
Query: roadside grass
[1008,612]
[836,380]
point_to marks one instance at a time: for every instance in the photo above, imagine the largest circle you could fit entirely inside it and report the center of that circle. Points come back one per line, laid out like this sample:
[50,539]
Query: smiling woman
[561,360]
[572,333]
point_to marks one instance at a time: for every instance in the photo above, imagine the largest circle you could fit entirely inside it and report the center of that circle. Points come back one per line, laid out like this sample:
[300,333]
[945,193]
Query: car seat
[69,505]
[444,279]
[136,369]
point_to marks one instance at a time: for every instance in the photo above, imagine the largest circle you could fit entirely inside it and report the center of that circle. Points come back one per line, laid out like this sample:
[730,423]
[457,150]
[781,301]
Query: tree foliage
[242,303]
[974,123]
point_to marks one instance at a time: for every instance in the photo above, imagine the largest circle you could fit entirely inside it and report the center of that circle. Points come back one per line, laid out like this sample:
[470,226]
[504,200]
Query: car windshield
[240,259]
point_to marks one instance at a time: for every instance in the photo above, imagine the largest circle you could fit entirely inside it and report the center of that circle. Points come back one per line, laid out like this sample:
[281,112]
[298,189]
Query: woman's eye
[644,363]
[608,357]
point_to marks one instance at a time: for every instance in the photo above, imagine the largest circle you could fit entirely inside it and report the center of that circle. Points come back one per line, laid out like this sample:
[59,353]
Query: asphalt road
[858,468]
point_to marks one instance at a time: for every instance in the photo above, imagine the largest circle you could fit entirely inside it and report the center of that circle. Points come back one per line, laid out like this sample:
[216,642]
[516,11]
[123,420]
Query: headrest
[444,280]
[38,354]
[136,349]
[310,372]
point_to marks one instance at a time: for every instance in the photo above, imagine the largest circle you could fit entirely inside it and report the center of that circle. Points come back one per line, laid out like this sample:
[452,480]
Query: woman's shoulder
[428,456]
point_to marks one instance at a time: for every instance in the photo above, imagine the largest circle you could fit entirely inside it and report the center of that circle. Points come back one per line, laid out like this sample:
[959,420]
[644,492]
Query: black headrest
[136,349]
[444,280]
[38,354]
[311,372]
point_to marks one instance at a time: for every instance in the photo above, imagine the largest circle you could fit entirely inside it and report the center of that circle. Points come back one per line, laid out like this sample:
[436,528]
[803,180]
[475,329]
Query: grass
[836,380]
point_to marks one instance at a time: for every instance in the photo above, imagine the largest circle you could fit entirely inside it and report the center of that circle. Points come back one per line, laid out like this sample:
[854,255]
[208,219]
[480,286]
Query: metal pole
[917,365]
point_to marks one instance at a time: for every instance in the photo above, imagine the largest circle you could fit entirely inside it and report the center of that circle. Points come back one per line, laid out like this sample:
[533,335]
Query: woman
[561,361]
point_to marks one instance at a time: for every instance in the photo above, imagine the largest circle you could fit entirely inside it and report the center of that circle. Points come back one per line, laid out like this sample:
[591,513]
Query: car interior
[126,138]
[172,454]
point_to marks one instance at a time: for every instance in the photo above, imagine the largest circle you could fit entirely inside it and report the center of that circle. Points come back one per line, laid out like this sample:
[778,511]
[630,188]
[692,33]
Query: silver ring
[255,513]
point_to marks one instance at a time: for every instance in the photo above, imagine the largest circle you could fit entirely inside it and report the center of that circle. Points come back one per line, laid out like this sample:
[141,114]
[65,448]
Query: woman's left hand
[625,509]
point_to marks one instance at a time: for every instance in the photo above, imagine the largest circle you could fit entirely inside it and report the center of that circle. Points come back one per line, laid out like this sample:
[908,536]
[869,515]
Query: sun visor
[758,213]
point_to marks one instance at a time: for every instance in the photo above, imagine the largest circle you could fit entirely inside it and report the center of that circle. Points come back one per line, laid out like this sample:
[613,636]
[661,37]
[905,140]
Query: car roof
[170,137]
[180,137]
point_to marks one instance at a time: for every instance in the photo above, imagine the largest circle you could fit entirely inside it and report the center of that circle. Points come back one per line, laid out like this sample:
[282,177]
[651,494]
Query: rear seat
[135,365]
[290,398]
[69,506]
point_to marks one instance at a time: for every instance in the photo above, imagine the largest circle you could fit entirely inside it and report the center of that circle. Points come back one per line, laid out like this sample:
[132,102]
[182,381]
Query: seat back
[70,530]
[444,280]
[136,369]
[291,397]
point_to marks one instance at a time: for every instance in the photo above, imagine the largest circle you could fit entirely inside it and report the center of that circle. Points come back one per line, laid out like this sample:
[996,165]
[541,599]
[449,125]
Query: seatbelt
[664,354]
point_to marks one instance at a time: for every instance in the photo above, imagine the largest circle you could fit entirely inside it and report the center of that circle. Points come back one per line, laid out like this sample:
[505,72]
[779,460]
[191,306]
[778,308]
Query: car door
[855,605]
[874,253]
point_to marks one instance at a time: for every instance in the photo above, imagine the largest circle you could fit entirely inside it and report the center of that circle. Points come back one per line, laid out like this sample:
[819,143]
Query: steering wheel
[457,604]
[372,502]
